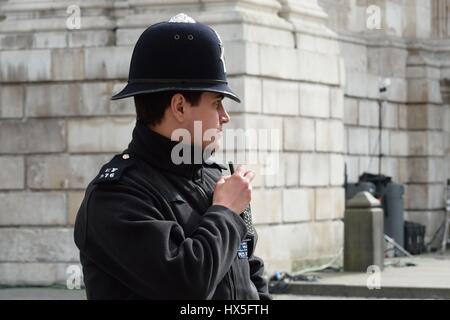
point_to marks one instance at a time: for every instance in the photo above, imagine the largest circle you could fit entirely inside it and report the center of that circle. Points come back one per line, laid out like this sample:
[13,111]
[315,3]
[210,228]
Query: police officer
[151,226]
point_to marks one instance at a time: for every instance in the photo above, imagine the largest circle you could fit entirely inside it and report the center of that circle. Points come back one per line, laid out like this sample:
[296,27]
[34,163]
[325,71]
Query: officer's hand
[235,191]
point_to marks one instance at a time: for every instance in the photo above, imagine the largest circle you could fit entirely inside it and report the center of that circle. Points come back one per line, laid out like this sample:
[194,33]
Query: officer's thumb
[222,179]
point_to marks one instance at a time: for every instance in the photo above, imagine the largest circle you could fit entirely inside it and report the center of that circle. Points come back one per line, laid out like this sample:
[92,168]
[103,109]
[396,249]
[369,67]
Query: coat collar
[157,149]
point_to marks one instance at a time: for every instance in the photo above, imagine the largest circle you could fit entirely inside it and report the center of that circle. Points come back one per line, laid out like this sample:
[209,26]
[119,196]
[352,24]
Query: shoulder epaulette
[113,170]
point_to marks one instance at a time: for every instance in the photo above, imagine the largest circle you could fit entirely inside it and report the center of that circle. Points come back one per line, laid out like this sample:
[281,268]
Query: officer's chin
[212,146]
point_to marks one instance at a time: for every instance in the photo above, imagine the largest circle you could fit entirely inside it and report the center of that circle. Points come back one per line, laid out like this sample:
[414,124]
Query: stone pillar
[423,117]
[441,19]
[363,235]
[418,19]
[445,91]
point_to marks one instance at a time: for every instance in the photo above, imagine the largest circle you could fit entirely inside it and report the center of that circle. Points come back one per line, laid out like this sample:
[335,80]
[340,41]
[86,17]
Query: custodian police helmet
[179,54]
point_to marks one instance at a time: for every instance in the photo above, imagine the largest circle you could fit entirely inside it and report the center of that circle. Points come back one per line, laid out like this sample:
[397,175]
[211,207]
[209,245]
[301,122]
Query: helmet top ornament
[181,17]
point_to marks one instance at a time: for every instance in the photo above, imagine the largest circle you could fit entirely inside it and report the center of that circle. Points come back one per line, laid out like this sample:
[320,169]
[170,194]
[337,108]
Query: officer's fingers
[249,176]
[240,170]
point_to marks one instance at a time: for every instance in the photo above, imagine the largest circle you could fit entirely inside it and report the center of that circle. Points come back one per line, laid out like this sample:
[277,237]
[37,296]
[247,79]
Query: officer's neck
[166,131]
[163,130]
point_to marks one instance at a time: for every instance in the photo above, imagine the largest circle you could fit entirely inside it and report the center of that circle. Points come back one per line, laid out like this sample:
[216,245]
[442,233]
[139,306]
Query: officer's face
[211,115]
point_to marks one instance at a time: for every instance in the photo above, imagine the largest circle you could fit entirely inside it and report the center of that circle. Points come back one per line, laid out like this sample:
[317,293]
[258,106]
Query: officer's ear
[178,107]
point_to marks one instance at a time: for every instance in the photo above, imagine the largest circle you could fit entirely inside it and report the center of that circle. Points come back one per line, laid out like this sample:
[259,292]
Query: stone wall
[58,125]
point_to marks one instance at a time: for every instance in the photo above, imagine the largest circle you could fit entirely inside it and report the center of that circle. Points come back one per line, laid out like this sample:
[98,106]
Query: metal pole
[383,88]
[380,127]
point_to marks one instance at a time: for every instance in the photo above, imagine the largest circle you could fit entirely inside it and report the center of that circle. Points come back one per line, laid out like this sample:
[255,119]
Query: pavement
[27,293]
[48,293]
[41,293]
[420,277]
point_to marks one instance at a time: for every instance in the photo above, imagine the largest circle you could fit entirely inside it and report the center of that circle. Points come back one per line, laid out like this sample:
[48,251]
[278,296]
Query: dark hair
[150,107]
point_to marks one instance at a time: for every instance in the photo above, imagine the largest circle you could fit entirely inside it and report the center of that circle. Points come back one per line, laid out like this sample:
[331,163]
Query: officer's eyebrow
[219,96]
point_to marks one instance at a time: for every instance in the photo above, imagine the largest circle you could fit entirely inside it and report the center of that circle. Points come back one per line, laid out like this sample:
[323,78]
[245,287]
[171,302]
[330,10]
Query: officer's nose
[224,116]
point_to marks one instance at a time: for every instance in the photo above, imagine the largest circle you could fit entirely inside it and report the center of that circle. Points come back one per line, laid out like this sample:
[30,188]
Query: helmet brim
[133,89]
